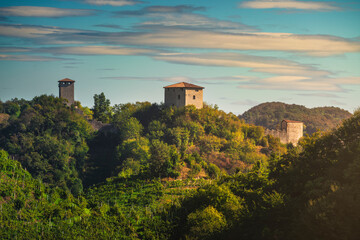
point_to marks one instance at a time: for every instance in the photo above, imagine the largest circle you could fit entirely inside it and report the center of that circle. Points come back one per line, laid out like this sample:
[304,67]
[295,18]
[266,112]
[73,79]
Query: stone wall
[175,97]
[66,90]
[294,132]
[290,132]
[279,134]
[194,97]
[181,97]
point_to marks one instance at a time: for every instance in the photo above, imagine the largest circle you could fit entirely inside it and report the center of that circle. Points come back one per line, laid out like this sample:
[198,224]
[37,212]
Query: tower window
[194,97]
[178,96]
[196,90]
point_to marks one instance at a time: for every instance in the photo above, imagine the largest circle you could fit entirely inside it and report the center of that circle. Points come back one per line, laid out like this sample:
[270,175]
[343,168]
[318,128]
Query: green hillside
[270,114]
[170,173]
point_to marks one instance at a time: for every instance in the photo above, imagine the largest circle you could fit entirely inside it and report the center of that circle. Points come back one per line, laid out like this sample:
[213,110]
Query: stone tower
[66,90]
[294,130]
[183,94]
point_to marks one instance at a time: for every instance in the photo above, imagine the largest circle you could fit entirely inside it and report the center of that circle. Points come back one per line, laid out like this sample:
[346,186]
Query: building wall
[194,93]
[289,133]
[172,97]
[294,132]
[279,134]
[66,90]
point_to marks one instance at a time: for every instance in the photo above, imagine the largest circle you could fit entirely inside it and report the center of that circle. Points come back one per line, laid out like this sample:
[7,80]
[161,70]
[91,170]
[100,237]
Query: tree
[205,223]
[160,155]
[102,108]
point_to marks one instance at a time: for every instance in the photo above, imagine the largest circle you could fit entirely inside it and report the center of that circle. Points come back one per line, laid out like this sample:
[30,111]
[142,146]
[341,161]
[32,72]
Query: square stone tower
[183,94]
[66,90]
[294,130]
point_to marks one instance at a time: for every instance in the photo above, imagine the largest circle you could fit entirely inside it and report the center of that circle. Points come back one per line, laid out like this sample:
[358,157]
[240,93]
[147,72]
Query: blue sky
[243,52]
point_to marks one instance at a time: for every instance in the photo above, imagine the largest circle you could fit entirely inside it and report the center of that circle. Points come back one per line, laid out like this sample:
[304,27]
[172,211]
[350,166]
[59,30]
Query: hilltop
[170,173]
[270,114]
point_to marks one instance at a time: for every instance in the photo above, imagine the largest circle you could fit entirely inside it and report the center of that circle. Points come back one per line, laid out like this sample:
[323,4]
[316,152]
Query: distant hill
[270,114]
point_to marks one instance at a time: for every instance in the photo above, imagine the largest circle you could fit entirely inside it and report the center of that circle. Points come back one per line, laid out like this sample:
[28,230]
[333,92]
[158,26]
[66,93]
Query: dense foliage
[49,139]
[147,140]
[269,115]
[170,173]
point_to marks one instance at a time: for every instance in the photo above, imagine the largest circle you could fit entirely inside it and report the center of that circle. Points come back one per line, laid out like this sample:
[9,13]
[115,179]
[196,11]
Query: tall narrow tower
[66,90]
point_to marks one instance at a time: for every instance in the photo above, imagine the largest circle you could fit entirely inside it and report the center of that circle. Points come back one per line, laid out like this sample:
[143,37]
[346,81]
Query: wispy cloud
[29,31]
[298,83]
[30,58]
[211,80]
[182,17]
[113,26]
[96,50]
[322,95]
[115,3]
[289,4]
[337,103]
[286,83]
[31,11]
[314,45]
[255,63]
[159,9]
[246,102]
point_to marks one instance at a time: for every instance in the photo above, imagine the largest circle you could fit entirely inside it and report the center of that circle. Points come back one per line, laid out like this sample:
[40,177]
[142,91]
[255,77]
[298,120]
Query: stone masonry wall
[194,93]
[172,97]
[294,132]
[290,133]
[67,91]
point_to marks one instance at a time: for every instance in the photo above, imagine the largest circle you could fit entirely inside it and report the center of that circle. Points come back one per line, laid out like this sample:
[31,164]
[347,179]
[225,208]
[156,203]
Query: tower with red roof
[183,94]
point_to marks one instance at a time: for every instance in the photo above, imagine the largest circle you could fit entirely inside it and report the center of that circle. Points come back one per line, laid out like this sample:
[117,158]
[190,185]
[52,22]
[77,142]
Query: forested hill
[170,173]
[270,114]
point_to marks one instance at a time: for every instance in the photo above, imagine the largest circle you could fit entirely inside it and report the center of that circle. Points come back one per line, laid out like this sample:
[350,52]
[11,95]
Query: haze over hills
[270,114]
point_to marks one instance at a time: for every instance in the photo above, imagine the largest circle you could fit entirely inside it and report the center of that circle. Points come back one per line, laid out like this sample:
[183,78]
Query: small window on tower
[194,97]
[196,90]
[178,96]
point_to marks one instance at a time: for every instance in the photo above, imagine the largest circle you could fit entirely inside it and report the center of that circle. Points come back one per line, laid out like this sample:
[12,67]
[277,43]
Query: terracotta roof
[66,80]
[291,121]
[183,85]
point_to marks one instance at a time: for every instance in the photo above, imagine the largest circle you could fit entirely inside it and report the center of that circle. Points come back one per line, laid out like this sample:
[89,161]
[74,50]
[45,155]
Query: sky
[243,52]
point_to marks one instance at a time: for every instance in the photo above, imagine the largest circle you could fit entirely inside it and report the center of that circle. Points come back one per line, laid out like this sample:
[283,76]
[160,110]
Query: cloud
[193,21]
[255,63]
[317,45]
[159,9]
[29,58]
[29,31]
[322,95]
[286,83]
[337,103]
[96,50]
[247,102]
[113,26]
[314,45]
[181,16]
[31,11]
[298,83]
[14,49]
[162,79]
[115,3]
[289,4]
